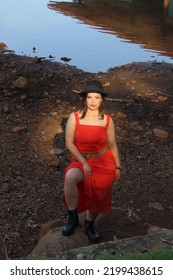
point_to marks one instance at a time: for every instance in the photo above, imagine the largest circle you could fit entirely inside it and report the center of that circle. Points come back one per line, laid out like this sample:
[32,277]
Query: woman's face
[93,100]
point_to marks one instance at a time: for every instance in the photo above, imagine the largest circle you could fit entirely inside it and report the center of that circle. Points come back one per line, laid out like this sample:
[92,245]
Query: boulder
[21,83]
[108,225]
[54,242]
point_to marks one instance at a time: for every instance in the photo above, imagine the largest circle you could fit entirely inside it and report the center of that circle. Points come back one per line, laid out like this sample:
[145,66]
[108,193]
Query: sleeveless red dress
[96,191]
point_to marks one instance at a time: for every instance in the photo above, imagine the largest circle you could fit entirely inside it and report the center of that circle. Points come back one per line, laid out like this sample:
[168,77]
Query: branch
[5,247]
[118,100]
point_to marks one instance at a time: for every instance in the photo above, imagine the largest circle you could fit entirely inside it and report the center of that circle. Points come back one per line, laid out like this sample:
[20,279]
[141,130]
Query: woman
[95,163]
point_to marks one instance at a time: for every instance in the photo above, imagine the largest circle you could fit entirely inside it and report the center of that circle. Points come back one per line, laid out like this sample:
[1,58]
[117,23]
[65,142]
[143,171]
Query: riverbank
[36,97]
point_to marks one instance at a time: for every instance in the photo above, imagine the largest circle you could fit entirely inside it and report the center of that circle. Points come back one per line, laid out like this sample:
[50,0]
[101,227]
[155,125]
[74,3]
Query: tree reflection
[148,23]
[168,6]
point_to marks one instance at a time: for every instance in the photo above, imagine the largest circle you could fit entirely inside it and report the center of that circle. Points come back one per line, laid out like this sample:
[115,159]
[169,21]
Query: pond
[95,34]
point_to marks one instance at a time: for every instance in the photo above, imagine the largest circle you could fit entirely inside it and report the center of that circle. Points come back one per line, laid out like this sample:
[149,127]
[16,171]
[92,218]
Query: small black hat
[93,86]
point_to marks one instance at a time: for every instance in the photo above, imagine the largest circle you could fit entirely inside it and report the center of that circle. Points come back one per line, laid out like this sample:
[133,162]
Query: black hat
[93,86]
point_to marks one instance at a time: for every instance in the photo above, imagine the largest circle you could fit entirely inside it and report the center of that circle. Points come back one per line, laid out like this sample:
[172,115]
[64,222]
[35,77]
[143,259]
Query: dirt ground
[36,97]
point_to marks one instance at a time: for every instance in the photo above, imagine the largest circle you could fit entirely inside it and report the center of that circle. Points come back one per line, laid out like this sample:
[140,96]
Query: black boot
[72,222]
[90,231]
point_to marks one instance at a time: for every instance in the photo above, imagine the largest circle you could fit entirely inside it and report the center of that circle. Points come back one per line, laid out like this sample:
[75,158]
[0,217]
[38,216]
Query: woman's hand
[87,169]
[117,174]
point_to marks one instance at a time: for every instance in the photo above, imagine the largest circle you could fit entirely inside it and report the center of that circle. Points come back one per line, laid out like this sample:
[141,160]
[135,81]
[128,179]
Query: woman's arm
[69,139]
[113,146]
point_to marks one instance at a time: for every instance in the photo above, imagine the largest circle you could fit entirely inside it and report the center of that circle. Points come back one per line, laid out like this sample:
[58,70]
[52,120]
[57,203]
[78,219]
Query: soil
[33,114]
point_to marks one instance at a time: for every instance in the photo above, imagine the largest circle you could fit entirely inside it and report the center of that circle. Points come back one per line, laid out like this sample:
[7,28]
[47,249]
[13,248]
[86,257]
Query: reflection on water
[147,23]
[95,34]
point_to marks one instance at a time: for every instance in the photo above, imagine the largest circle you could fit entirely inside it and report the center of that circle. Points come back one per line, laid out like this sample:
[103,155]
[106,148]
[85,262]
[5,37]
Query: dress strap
[108,118]
[76,117]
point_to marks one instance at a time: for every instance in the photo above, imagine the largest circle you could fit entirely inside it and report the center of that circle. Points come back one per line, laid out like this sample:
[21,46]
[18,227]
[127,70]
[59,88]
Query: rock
[156,205]
[121,115]
[23,97]
[138,244]
[13,235]
[154,229]
[2,45]
[21,83]
[59,129]
[5,188]
[107,84]
[37,59]
[49,226]
[18,129]
[160,133]
[6,109]
[56,151]
[66,59]
[3,215]
[171,119]
[54,242]
[50,159]
[162,98]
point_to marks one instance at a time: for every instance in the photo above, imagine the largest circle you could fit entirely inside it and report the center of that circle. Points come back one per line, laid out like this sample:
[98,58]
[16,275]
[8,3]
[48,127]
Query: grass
[39,257]
[153,254]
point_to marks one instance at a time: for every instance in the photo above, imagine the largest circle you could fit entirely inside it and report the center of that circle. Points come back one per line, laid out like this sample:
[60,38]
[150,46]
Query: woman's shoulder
[74,116]
[108,120]
[75,113]
[107,117]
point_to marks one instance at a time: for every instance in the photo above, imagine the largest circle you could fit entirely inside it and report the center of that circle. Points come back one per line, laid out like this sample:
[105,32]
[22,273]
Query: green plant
[153,254]
[39,257]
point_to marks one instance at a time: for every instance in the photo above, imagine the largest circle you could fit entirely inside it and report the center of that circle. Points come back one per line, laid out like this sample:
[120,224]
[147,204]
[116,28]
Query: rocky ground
[36,97]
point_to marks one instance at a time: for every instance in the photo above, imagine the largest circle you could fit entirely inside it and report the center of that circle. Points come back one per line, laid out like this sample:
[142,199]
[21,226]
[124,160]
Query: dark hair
[84,109]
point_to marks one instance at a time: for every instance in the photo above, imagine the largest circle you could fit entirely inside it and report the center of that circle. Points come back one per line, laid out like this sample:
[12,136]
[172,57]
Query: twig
[118,100]
[167,241]
[165,94]
[5,247]
[119,232]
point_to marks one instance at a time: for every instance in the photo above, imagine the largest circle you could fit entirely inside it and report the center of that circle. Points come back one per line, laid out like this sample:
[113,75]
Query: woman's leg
[72,178]
[90,216]
[89,227]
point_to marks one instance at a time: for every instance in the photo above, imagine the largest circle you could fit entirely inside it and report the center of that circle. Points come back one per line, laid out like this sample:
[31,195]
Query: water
[94,44]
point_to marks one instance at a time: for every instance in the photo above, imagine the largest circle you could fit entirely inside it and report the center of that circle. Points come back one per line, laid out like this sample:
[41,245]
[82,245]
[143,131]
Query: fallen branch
[167,241]
[119,232]
[118,100]
[5,247]
[164,94]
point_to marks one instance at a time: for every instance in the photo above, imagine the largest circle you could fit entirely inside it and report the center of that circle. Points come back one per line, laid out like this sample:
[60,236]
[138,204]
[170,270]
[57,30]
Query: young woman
[95,162]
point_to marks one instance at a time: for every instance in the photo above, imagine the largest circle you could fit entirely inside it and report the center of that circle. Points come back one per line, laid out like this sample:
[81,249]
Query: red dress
[96,191]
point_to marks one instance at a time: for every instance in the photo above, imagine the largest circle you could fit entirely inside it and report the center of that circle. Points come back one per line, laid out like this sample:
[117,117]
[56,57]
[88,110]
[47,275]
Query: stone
[3,215]
[54,242]
[13,235]
[5,188]
[21,83]
[121,115]
[156,205]
[137,244]
[23,97]
[19,128]
[6,109]
[56,151]
[160,133]
[2,45]
[50,226]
